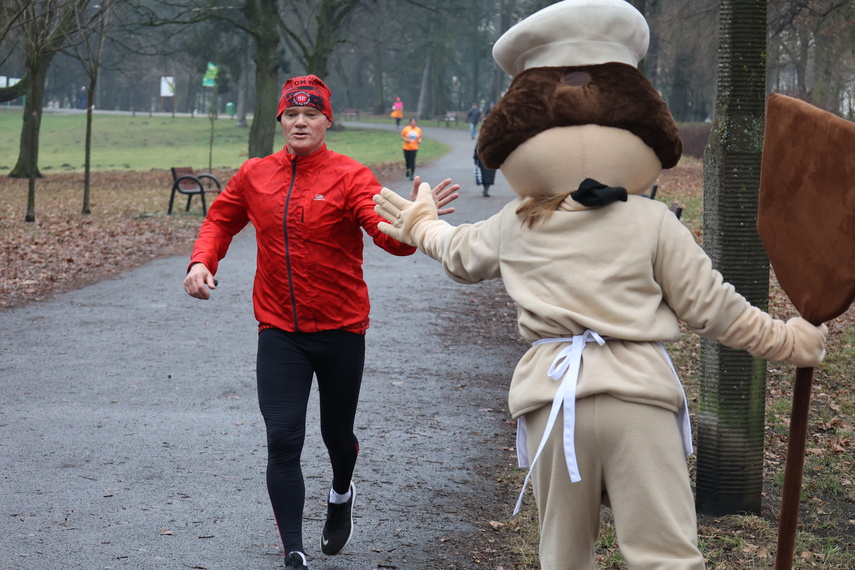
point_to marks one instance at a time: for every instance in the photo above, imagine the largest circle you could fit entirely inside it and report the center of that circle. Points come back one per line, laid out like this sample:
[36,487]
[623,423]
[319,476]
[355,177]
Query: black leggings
[286,363]
[410,161]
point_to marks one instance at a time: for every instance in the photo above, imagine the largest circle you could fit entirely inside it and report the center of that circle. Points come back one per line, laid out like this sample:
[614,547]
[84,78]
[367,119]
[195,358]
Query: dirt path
[131,436]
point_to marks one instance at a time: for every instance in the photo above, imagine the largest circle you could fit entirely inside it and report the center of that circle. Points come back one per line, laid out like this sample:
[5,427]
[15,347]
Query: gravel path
[130,435]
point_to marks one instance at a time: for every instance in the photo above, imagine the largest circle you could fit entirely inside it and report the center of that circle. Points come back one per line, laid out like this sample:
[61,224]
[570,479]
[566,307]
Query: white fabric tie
[565,367]
[683,419]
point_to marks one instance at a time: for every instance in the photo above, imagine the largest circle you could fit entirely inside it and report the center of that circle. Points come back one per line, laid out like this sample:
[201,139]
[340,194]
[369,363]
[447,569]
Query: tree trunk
[476,74]
[325,40]
[500,79]
[243,87]
[266,40]
[28,156]
[381,106]
[192,89]
[679,102]
[424,90]
[438,103]
[87,160]
[802,63]
[649,64]
[32,172]
[212,119]
[17,90]
[731,409]
[266,101]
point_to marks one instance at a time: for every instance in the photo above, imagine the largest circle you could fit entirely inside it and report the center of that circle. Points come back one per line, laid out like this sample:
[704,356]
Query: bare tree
[92,25]
[264,31]
[11,16]
[243,86]
[732,393]
[811,53]
[260,20]
[45,27]
[313,28]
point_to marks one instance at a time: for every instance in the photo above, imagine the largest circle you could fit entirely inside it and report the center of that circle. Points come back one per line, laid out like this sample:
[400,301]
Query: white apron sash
[565,367]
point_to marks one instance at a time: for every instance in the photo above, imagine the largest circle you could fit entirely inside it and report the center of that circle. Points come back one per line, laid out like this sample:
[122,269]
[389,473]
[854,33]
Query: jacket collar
[315,158]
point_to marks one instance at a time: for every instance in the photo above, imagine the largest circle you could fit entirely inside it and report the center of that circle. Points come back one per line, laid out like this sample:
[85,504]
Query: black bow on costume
[593,194]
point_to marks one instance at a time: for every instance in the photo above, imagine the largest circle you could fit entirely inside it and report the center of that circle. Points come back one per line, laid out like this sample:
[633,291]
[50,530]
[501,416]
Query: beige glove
[796,341]
[408,221]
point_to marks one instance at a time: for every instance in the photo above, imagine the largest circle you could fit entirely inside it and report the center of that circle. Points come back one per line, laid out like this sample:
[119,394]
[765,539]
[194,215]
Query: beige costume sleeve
[469,253]
[712,308]
[796,341]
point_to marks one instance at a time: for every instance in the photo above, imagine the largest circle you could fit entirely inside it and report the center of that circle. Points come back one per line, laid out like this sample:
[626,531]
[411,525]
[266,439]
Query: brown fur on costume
[610,95]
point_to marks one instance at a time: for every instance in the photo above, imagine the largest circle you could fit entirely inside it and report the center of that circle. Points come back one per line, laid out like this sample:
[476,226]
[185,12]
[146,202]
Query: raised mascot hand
[405,217]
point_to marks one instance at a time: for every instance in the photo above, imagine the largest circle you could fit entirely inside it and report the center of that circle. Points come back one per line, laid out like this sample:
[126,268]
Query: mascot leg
[647,481]
[569,513]
[630,456]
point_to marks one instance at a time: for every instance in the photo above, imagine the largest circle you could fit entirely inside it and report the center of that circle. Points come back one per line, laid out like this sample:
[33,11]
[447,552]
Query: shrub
[694,137]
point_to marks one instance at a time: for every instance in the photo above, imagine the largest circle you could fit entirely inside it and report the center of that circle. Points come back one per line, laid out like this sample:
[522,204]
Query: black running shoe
[339,526]
[295,561]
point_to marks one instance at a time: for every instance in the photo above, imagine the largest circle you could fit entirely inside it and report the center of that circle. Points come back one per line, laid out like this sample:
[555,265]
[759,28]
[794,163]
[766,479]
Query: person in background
[397,111]
[473,117]
[412,136]
[82,97]
[484,176]
[309,206]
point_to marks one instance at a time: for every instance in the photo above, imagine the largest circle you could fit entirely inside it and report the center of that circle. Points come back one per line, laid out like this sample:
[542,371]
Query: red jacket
[309,267]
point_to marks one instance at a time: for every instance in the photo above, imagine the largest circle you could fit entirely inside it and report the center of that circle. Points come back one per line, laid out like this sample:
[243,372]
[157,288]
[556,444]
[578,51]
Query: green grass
[141,143]
[607,548]
[460,125]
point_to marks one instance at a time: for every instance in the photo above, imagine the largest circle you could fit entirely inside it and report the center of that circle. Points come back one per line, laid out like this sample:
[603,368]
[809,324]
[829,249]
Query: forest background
[434,54]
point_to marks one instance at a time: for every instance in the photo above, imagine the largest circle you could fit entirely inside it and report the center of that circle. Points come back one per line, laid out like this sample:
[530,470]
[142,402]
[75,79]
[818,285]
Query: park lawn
[140,143]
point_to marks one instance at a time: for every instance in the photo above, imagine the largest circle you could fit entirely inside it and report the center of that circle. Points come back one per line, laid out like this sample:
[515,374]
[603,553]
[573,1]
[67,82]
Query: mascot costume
[601,276]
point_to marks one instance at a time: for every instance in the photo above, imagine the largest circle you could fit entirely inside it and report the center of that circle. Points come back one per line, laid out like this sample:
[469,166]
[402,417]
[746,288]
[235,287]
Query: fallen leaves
[63,249]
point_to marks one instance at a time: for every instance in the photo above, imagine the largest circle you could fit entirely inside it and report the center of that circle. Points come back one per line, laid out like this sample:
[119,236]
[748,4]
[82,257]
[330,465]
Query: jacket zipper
[287,243]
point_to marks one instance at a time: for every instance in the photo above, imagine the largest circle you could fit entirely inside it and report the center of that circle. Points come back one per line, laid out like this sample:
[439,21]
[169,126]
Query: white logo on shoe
[325,541]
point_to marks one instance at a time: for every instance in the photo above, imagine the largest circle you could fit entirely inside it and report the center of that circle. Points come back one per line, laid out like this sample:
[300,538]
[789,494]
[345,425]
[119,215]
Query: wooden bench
[350,114]
[185,181]
[675,209]
[449,117]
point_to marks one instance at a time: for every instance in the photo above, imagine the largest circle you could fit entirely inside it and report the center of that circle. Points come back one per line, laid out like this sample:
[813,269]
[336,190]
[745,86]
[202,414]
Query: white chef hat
[574,33]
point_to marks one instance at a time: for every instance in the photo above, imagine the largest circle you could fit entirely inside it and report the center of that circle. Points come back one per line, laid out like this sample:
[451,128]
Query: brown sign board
[806,210]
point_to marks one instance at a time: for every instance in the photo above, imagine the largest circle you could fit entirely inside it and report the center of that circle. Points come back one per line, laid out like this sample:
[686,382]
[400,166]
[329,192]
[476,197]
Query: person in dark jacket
[473,117]
[309,206]
[484,176]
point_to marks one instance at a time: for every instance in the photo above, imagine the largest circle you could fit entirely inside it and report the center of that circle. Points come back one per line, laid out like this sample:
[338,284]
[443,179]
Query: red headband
[305,91]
